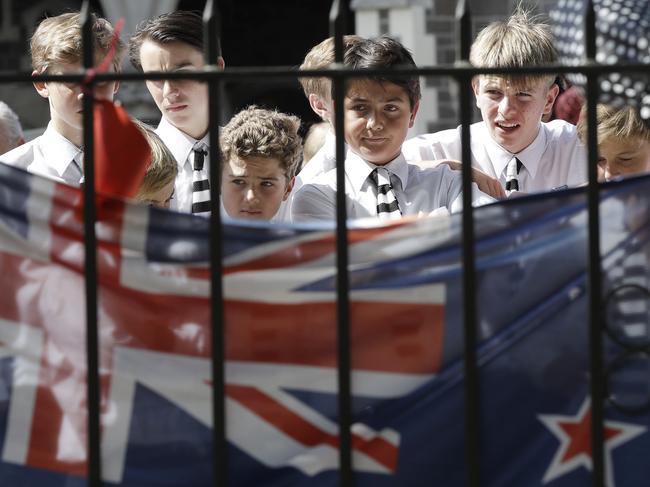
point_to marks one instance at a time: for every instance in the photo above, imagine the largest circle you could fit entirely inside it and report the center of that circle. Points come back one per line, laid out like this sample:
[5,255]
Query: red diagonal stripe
[304,432]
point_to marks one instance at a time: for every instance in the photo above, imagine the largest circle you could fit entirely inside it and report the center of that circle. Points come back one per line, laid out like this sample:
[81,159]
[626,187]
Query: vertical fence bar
[90,252]
[597,388]
[472,406]
[211,33]
[338,25]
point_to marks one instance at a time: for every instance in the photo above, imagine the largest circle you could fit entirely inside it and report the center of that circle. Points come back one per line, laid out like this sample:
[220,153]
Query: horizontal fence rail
[462,72]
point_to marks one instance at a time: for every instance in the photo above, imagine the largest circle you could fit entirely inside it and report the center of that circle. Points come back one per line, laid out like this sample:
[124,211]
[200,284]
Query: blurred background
[269,33]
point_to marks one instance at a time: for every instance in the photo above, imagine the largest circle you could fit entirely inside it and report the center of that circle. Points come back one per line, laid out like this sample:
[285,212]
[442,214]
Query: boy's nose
[374,122]
[169,88]
[505,105]
[251,195]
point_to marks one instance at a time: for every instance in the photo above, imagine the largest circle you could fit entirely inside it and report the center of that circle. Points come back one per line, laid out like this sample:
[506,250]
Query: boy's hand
[487,184]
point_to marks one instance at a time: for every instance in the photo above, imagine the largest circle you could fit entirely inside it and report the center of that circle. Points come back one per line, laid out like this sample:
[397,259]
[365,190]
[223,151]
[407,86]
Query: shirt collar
[357,169]
[179,143]
[529,157]
[58,150]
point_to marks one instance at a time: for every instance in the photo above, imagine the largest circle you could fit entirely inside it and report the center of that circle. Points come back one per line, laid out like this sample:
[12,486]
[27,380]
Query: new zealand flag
[280,320]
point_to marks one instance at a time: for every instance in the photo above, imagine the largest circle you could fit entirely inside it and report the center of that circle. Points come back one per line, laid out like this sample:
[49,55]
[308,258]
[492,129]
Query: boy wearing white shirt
[174,42]
[511,143]
[379,182]
[56,49]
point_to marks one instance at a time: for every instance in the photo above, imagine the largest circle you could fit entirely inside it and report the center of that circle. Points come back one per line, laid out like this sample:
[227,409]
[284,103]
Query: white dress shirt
[554,159]
[180,145]
[321,162]
[50,155]
[419,191]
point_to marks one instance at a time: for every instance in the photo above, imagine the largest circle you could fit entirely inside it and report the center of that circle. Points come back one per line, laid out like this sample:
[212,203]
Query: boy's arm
[489,185]
[314,202]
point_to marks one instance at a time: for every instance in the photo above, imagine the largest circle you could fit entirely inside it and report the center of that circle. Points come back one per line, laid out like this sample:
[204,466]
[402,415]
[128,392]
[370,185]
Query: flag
[280,339]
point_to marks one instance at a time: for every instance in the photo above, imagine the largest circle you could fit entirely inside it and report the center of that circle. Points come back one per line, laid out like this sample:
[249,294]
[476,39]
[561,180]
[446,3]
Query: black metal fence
[462,72]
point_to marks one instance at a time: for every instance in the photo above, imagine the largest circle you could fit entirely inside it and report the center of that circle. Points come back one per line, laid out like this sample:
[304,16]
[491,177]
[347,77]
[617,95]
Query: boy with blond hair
[378,111]
[623,141]
[511,143]
[260,152]
[157,188]
[56,49]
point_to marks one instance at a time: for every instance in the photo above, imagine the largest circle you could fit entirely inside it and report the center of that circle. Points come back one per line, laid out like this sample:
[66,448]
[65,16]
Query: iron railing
[462,72]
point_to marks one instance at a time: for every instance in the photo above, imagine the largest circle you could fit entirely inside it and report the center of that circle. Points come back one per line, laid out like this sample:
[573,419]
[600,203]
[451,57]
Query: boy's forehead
[376,90]
[175,53]
[512,83]
[267,167]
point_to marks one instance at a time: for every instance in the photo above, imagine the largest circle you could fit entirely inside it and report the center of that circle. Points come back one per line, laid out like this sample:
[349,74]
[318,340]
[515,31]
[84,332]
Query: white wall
[408,26]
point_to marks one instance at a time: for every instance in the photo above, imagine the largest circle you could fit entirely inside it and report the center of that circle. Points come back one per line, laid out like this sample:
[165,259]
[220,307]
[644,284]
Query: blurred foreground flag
[280,313]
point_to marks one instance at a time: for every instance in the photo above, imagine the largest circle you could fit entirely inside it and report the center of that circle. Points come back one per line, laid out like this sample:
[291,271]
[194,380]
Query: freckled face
[623,157]
[511,114]
[254,187]
[377,118]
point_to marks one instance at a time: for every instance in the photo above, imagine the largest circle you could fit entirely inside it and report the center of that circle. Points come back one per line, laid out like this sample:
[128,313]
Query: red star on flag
[574,434]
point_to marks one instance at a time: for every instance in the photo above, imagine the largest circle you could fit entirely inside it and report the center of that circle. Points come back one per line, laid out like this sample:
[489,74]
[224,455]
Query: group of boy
[387,176]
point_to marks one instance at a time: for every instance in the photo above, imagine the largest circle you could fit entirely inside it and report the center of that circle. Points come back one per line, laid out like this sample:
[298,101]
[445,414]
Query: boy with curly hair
[260,152]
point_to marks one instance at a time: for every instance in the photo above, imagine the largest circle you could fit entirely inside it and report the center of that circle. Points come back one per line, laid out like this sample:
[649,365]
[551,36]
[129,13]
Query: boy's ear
[287,191]
[414,112]
[40,86]
[551,95]
[475,87]
[319,106]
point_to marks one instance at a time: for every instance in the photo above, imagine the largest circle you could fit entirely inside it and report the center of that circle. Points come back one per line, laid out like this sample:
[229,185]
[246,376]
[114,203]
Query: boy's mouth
[507,126]
[175,108]
[375,140]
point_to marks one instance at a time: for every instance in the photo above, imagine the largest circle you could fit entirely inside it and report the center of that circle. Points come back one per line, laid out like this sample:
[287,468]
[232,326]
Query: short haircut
[59,40]
[615,122]
[381,53]
[321,56]
[178,26]
[257,132]
[10,129]
[519,41]
[162,169]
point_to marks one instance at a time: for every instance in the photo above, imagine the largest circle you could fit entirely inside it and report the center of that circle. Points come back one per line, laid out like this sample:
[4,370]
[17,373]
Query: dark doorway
[265,33]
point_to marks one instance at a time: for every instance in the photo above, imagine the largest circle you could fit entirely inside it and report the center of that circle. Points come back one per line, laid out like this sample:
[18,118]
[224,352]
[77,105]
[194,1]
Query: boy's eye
[238,181]
[267,184]
[523,94]
[391,108]
[359,107]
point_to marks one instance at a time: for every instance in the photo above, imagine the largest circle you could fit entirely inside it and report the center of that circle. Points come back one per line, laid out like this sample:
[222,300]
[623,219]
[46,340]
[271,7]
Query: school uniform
[50,155]
[181,146]
[418,191]
[323,161]
[556,158]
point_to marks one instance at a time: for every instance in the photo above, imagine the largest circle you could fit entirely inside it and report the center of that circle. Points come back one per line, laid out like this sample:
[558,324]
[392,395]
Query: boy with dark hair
[511,143]
[56,49]
[378,112]
[261,150]
[173,42]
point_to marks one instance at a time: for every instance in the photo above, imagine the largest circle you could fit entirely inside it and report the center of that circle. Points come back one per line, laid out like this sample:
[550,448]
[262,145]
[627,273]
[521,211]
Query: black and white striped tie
[200,183]
[387,205]
[512,174]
